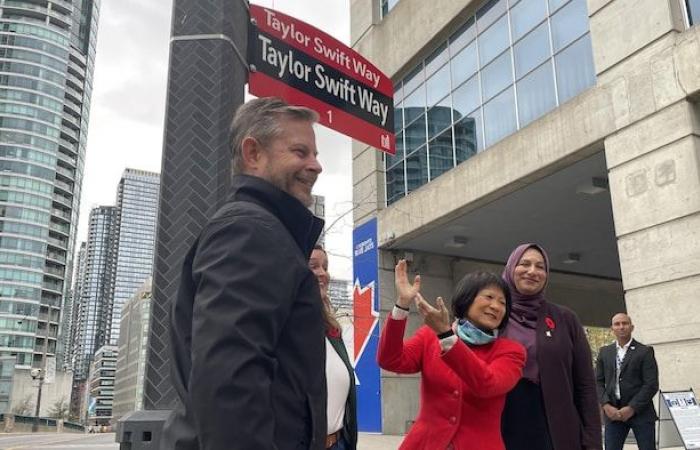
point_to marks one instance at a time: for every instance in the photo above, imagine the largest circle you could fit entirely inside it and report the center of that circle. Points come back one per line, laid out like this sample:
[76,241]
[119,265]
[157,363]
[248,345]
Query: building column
[654,173]
[647,61]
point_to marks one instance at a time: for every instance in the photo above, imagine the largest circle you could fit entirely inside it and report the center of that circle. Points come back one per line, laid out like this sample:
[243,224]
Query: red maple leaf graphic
[364,316]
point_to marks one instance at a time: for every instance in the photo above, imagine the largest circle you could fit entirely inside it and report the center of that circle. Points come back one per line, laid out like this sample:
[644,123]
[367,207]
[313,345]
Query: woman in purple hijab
[554,406]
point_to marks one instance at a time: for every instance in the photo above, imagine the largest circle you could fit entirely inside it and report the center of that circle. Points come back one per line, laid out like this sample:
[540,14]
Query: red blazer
[462,392]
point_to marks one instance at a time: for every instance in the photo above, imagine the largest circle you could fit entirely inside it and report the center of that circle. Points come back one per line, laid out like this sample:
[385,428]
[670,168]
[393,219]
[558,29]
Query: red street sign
[304,66]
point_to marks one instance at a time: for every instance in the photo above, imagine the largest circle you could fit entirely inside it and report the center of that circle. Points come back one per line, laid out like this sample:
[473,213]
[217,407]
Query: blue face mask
[473,335]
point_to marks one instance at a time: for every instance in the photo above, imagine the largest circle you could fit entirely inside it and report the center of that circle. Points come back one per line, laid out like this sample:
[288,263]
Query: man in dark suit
[628,379]
[247,330]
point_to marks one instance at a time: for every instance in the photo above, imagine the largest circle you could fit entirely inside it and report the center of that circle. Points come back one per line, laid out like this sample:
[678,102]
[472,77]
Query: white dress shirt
[338,383]
[619,358]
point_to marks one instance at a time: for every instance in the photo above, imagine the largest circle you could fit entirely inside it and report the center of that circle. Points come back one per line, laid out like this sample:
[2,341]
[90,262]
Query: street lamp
[37,374]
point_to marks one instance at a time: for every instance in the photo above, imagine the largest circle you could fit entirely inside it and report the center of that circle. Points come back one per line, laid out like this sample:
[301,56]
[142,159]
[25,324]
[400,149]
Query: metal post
[205,85]
[40,374]
[40,377]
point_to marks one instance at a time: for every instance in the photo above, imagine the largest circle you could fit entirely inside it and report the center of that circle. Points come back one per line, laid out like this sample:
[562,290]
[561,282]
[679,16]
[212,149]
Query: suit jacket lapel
[628,355]
[611,357]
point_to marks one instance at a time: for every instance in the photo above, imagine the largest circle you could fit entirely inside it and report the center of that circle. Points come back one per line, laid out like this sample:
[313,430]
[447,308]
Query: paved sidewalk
[368,441]
[383,442]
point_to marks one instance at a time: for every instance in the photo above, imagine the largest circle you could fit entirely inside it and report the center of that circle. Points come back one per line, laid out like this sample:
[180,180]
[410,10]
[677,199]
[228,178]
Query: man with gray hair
[246,326]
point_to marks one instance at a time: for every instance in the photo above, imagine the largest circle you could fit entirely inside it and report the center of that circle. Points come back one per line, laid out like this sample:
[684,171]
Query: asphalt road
[54,441]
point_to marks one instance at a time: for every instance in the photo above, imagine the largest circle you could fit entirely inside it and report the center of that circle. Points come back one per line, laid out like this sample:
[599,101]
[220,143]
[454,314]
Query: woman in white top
[340,376]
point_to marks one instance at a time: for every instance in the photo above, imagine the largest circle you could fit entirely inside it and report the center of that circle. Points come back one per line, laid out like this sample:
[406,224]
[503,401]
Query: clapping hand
[437,318]
[405,291]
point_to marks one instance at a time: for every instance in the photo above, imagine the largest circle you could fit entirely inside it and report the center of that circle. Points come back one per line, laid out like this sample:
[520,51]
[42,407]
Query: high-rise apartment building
[101,386]
[137,208]
[93,296]
[70,308]
[47,53]
[318,208]
[118,259]
[340,293]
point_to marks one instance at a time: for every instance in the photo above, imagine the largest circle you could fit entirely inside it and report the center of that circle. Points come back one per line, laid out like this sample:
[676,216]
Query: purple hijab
[525,311]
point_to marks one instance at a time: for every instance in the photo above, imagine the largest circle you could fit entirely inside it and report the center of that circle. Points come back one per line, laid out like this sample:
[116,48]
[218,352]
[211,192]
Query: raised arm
[393,353]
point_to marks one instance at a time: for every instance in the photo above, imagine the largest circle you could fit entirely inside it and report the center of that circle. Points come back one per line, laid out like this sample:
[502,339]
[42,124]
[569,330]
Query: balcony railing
[59,213]
[65,158]
[56,257]
[63,245]
[65,172]
[53,226]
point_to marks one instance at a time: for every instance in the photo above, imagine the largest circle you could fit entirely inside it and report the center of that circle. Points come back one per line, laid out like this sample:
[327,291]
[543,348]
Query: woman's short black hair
[470,285]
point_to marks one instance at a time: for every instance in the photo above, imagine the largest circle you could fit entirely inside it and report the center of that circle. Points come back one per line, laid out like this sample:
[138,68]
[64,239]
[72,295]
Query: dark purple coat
[567,380]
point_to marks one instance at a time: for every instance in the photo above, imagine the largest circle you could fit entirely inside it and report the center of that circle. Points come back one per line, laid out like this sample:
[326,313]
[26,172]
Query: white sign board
[683,409]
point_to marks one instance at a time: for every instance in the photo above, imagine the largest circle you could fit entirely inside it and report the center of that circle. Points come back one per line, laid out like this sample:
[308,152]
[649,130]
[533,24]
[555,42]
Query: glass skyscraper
[47,53]
[118,259]
[93,290]
[137,208]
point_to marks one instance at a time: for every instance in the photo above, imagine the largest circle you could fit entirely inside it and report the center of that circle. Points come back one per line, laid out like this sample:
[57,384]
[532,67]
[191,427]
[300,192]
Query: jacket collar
[304,227]
[627,346]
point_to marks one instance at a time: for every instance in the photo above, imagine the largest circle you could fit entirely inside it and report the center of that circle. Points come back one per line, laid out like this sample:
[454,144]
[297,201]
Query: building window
[387,5]
[507,65]
[693,10]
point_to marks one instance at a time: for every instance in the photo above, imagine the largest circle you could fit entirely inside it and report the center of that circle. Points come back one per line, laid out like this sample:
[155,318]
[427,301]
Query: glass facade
[69,313]
[46,69]
[101,384]
[387,5]
[137,206]
[509,63]
[131,362]
[118,259]
[693,11]
[7,371]
[93,290]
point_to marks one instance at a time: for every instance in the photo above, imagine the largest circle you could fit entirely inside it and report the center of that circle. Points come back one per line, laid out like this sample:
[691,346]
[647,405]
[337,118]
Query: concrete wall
[22,424]
[24,387]
[654,171]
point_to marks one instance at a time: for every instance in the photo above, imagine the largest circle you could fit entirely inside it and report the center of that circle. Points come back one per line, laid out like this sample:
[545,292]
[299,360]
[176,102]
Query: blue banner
[365,297]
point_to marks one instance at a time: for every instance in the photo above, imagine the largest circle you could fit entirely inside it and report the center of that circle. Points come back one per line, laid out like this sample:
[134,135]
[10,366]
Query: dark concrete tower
[206,78]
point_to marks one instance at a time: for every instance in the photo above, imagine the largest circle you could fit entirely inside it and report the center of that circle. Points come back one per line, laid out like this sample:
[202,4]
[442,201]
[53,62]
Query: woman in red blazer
[466,368]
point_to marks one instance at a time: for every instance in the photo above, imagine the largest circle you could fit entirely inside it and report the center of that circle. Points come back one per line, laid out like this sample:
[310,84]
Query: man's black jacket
[247,331]
[639,379]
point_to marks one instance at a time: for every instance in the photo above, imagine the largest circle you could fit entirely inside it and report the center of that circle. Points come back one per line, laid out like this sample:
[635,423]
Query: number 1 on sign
[330,116]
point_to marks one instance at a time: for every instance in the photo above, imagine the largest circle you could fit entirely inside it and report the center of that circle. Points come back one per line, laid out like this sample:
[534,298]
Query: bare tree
[60,409]
[25,407]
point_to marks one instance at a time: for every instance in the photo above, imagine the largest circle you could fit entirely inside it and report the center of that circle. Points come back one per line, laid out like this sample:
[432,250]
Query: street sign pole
[206,79]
